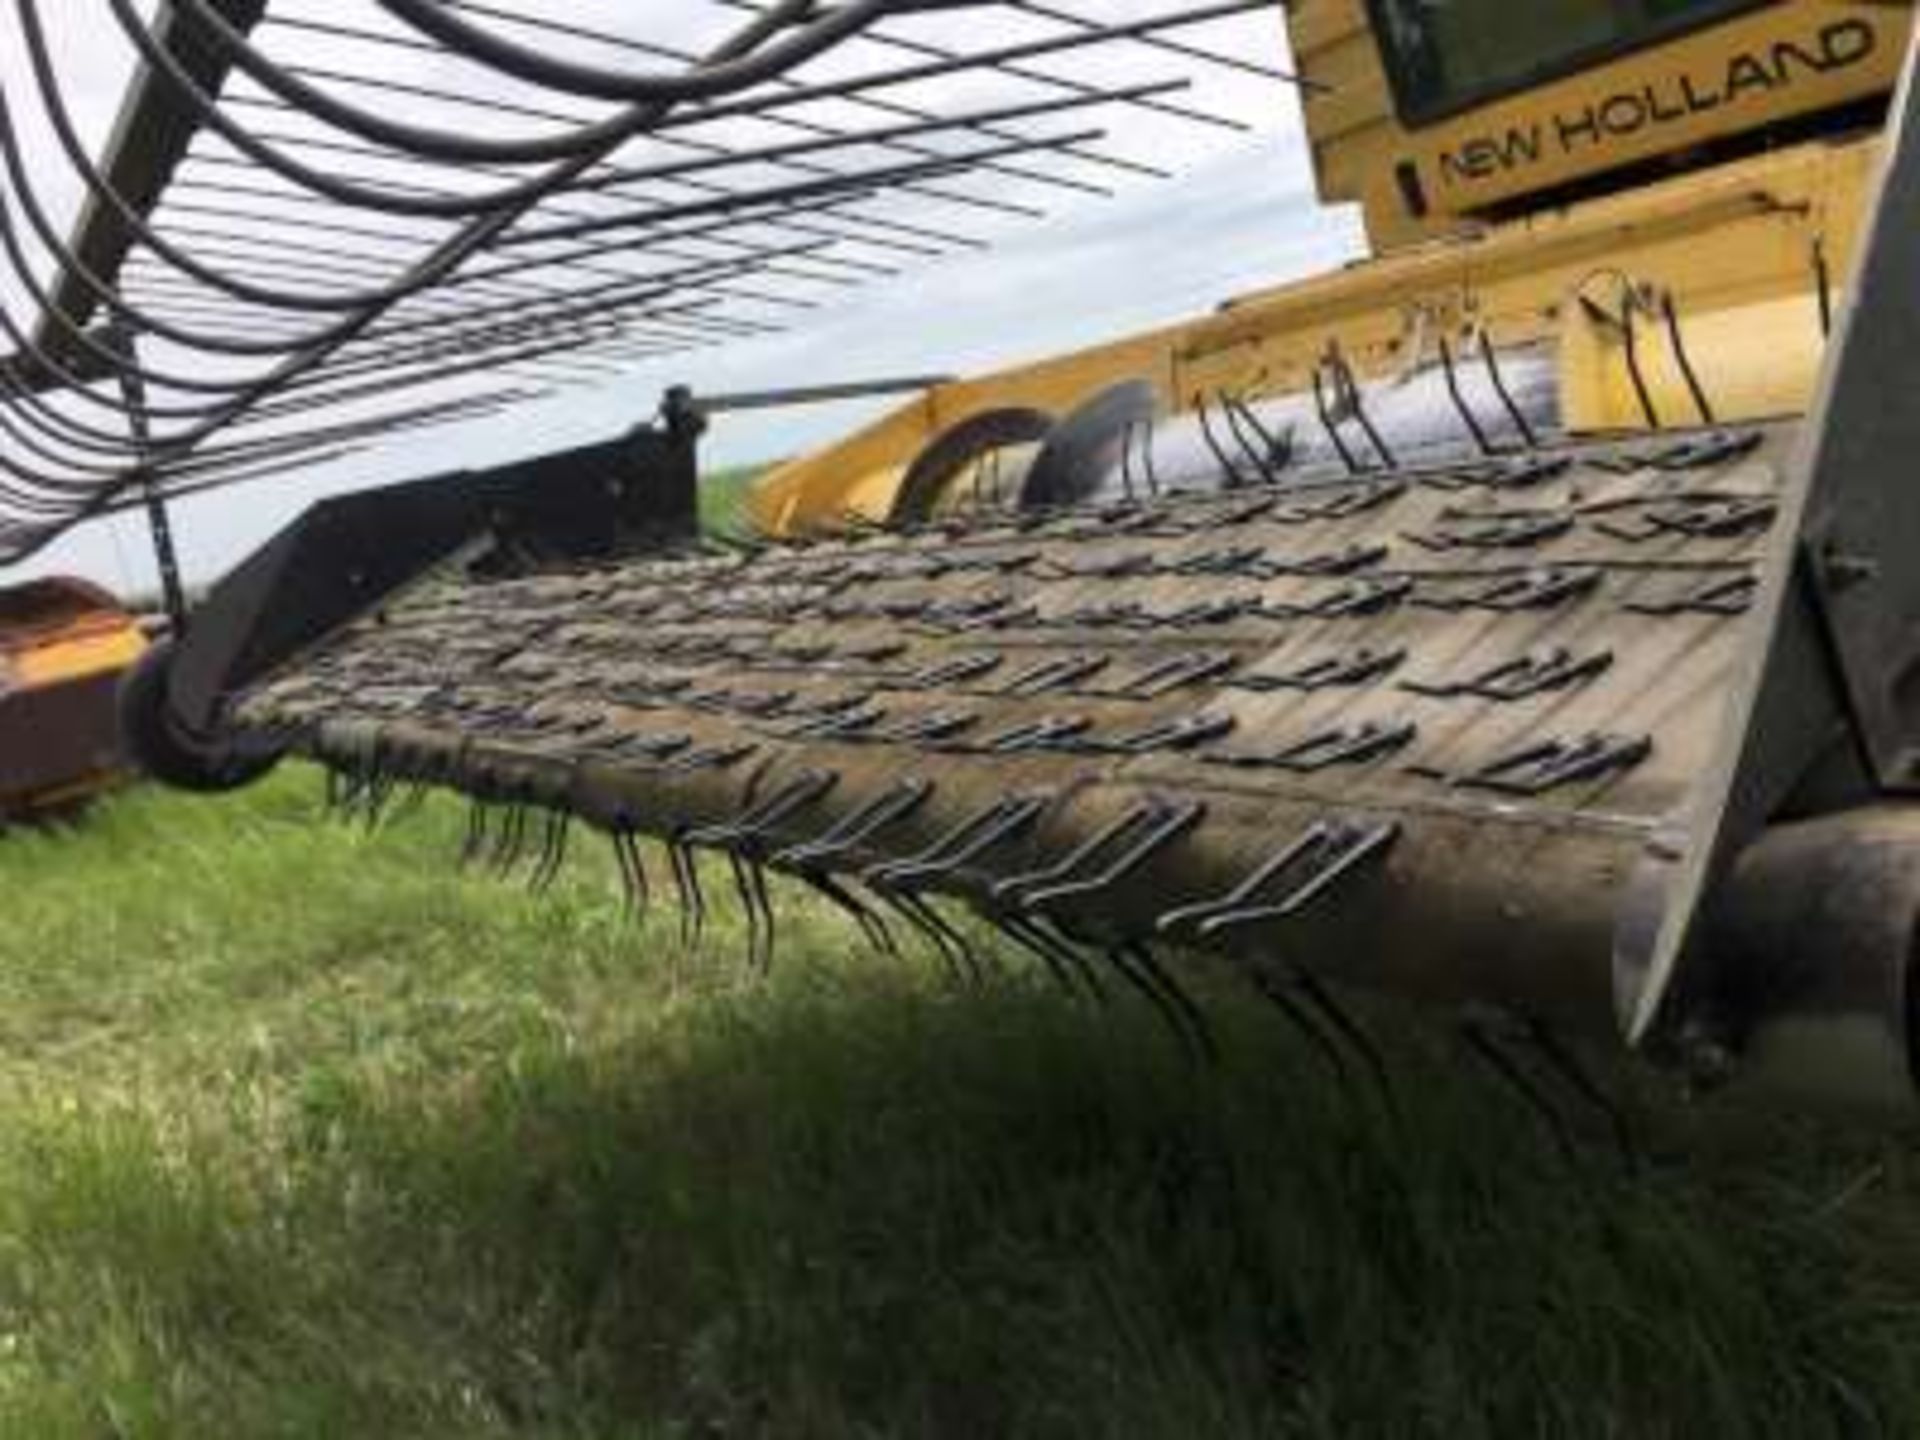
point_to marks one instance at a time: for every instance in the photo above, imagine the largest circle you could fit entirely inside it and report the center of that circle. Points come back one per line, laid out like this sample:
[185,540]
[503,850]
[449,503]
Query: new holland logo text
[1839,46]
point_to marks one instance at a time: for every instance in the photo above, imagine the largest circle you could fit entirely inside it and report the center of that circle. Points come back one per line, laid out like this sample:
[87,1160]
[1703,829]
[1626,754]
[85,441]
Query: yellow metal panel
[77,659]
[1735,247]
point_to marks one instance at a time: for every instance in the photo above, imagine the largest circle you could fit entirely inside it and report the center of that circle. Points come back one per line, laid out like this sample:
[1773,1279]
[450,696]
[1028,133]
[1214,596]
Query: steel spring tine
[1490,359]
[642,885]
[1478,685]
[1276,992]
[1163,828]
[1630,346]
[1472,421]
[411,803]
[796,795]
[1344,376]
[383,786]
[512,840]
[757,874]
[1565,1063]
[1008,890]
[970,839]
[1259,461]
[1279,456]
[1064,961]
[372,795]
[686,880]
[349,792]
[857,827]
[1676,340]
[915,923]
[848,903]
[1328,424]
[749,904]
[1341,1021]
[553,851]
[542,855]
[963,966]
[626,858]
[1169,996]
[1315,836]
[500,816]
[476,836]
[1229,471]
[1507,1069]
[1363,848]
[1060,970]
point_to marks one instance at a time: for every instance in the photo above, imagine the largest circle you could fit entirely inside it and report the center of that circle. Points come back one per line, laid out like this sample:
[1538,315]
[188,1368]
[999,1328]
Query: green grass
[304,1133]
[723,498]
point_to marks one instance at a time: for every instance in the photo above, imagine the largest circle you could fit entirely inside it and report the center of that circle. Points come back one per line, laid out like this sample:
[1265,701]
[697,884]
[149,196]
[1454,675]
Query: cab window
[1445,56]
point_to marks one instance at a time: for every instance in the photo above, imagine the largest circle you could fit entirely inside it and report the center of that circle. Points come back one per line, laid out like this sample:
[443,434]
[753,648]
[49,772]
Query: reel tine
[857,828]
[475,841]
[1169,996]
[553,851]
[1276,992]
[1567,1064]
[749,903]
[1487,1047]
[1061,961]
[1065,962]
[633,873]
[1342,1023]
[686,881]
[951,950]
[1329,851]
[757,873]
[842,898]
[411,802]
[513,840]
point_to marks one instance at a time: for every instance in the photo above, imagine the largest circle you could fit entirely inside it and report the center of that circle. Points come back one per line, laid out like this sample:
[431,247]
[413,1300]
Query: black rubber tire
[162,749]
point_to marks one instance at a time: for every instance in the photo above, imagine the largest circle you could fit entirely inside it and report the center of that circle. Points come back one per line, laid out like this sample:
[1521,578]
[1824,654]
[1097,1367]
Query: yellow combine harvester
[1524,620]
[1645,208]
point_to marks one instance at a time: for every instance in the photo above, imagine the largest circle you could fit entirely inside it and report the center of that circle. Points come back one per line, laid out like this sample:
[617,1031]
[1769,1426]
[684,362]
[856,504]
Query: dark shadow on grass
[865,1207]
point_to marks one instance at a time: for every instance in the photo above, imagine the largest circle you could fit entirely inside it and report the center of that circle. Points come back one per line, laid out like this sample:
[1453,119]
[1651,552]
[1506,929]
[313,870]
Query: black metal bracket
[347,555]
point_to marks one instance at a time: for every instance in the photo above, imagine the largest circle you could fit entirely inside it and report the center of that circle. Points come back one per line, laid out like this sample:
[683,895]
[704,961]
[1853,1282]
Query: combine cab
[1521,621]
[64,645]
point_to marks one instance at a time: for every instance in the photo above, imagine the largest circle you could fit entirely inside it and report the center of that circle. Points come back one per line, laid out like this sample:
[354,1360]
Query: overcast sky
[1240,216]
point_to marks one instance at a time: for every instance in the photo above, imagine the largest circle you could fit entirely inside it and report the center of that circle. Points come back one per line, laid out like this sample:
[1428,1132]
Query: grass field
[305,1133]
[723,498]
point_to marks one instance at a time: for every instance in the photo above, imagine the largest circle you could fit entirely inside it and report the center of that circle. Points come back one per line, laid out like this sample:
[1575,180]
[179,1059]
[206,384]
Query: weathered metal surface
[1835,652]
[1410,729]
[63,646]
